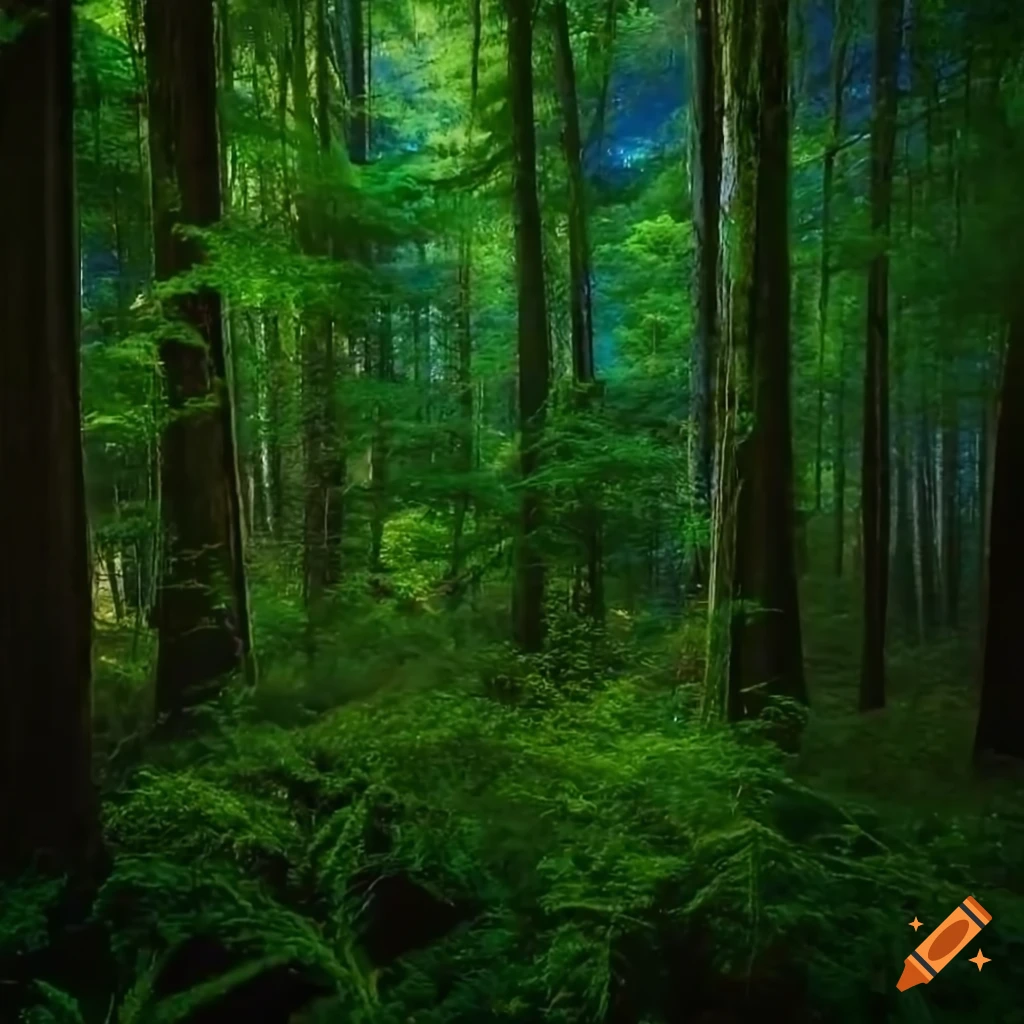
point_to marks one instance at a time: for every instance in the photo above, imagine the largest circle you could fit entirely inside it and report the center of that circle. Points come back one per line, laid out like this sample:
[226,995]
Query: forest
[508,511]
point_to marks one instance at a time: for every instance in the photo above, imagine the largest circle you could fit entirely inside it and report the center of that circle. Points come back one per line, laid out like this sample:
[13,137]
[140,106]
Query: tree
[580,289]
[202,613]
[705,185]
[875,448]
[532,335]
[1001,717]
[48,810]
[755,647]
[841,18]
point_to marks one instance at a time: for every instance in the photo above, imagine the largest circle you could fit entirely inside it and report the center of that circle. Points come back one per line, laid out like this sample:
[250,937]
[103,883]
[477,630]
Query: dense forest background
[510,509]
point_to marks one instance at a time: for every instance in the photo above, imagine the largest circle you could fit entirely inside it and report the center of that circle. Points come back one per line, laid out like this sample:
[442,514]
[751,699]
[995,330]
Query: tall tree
[48,810]
[1001,718]
[755,642]
[875,510]
[202,613]
[532,333]
[705,186]
[840,43]
[580,288]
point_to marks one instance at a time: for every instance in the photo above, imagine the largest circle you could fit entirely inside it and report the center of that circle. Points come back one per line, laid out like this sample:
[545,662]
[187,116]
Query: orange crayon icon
[943,944]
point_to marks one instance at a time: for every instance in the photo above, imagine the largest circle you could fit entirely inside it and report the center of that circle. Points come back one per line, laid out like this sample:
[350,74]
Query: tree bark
[532,332]
[48,808]
[1001,717]
[840,44]
[839,466]
[754,637]
[580,295]
[705,186]
[875,511]
[202,610]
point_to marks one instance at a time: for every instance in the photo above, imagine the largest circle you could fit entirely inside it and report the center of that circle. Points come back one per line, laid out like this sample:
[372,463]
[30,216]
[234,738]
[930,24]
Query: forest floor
[545,819]
[914,754]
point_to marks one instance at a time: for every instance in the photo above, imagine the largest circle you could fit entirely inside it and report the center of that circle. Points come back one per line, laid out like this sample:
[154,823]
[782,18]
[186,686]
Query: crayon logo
[944,944]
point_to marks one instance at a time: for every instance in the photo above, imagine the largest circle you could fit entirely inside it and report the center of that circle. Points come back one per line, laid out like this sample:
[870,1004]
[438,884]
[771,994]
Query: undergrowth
[578,850]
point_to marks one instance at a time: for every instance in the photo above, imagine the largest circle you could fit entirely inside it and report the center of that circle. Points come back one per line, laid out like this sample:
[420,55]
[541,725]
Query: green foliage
[585,835]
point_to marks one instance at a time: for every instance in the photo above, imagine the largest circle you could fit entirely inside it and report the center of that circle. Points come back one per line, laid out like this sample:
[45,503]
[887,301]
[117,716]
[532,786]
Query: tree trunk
[925,551]
[840,43]
[464,386]
[380,455]
[580,298]
[705,186]
[903,572]
[839,465]
[754,636]
[533,338]
[275,414]
[48,809]
[875,510]
[951,508]
[202,612]
[1001,717]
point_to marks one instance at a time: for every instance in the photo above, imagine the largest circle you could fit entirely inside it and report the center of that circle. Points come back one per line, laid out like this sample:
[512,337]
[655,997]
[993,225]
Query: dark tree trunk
[755,647]
[903,572]
[580,294]
[1001,718]
[951,509]
[533,338]
[705,186]
[875,509]
[839,465]
[275,412]
[926,561]
[48,809]
[358,122]
[202,613]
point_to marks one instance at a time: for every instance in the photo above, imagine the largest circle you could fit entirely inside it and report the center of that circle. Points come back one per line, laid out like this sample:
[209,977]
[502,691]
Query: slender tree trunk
[840,43]
[464,385]
[48,808]
[839,465]
[754,634]
[705,185]
[533,338]
[903,571]
[924,527]
[875,451]
[580,298]
[380,456]
[202,610]
[275,414]
[358,121]
[951,510]
[1001,718]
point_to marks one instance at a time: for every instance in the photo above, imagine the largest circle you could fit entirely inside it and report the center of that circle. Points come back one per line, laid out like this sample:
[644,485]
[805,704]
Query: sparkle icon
[980,959]
[915,924]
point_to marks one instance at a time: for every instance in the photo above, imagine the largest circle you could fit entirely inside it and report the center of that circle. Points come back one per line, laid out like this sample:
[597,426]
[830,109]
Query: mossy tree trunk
[202,611]
[755,648]
[705,188]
